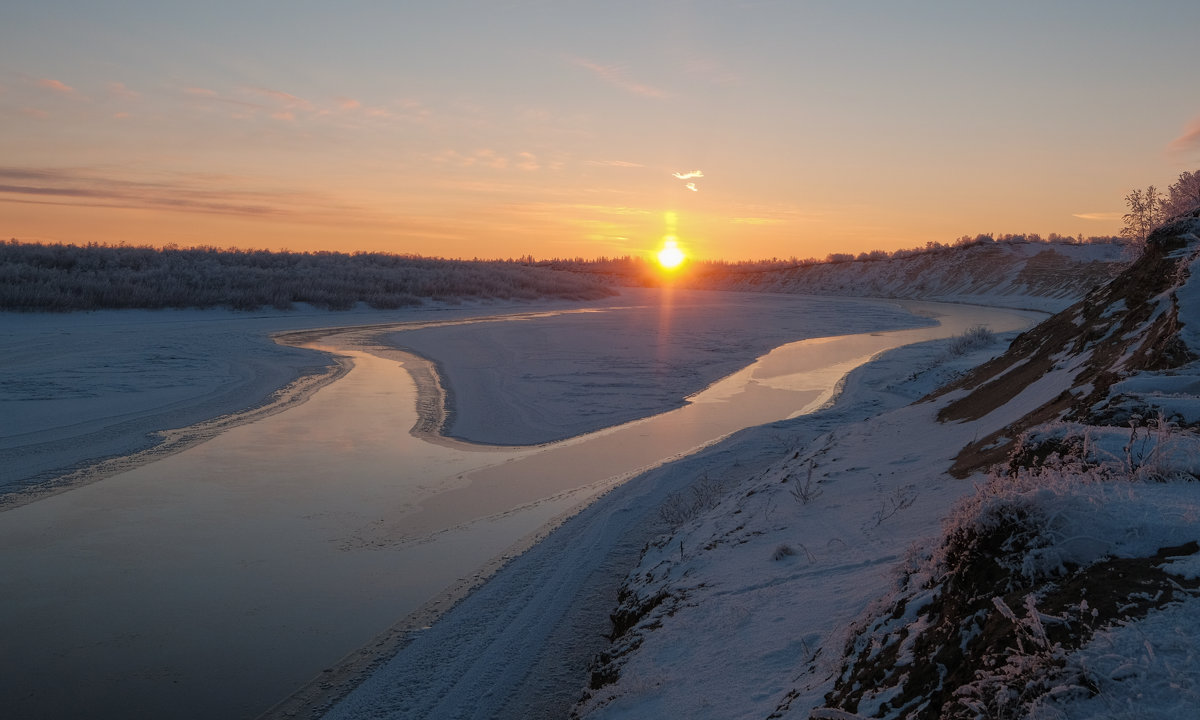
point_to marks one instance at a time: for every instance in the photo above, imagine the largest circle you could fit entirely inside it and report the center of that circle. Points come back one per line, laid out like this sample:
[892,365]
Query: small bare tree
[806,490]
[1146,212]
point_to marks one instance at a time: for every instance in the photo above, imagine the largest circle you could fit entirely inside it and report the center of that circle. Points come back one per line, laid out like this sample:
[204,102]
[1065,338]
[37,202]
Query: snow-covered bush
[1153,449]
[972,338]
[688,504]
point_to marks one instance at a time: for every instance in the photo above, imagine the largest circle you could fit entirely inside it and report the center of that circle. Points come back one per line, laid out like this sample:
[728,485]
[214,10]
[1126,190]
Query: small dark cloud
[29,190]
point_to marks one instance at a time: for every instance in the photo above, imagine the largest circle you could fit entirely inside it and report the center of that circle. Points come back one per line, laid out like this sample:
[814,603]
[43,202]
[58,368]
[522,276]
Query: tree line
[62,277]
[1152,208]
[640,271]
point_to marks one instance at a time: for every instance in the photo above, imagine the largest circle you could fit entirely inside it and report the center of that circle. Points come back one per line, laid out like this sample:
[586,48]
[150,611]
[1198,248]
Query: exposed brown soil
[996,447]
[1128,325]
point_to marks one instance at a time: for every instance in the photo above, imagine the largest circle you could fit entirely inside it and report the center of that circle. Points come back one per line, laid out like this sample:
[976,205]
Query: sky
[560,128]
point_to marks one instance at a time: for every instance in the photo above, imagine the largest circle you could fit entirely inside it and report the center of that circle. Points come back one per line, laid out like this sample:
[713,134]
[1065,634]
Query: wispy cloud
[280,98]
[570,210]
[489,158]
[614,163]
[617,76]
[707,68]
[692,187]
[1189,140]
[117,89]
[1105,216]
[465,160]
[257,101]
[56,86]
[755,221]
[528,161]
[181,193]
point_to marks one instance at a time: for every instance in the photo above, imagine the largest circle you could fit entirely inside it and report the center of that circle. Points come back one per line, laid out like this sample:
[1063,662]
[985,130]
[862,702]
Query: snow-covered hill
[1041,276]
[887,566]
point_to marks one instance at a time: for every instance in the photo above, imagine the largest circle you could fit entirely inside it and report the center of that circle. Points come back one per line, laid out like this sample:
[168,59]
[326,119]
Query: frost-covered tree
[1150,208]
[1184,195]
[1146,212]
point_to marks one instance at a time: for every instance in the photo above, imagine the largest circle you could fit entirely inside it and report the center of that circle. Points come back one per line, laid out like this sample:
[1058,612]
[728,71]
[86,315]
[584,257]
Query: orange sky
[467,129]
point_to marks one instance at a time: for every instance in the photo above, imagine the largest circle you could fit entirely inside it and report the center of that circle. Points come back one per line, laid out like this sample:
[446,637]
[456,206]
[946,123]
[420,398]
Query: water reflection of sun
[670,257]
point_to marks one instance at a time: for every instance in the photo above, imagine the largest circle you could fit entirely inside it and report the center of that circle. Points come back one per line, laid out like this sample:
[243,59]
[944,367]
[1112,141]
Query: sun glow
[670,257]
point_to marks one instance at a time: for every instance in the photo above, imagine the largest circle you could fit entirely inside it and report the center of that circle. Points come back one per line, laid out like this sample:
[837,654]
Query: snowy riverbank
[528,633]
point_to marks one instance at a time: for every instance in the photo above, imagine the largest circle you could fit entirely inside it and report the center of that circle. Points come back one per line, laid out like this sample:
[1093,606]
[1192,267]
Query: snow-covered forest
[65,277]
[62,277]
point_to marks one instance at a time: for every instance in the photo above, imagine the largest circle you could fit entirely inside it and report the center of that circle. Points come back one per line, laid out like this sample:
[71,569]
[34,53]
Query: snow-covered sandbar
[525,383]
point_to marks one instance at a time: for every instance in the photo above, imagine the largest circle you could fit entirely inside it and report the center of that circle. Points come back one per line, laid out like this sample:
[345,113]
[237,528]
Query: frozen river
[216,581]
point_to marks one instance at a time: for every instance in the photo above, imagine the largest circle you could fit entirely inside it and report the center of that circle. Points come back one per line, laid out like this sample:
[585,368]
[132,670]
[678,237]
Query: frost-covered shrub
[805,489]
[686,505]
[1153,450]
[972,338]
[783,551]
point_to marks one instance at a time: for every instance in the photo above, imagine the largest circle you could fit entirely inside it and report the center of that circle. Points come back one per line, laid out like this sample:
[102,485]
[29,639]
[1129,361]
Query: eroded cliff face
[1044,276]
[1128,327]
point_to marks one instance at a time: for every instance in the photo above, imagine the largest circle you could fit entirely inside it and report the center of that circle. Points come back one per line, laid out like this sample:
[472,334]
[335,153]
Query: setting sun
[670,257]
